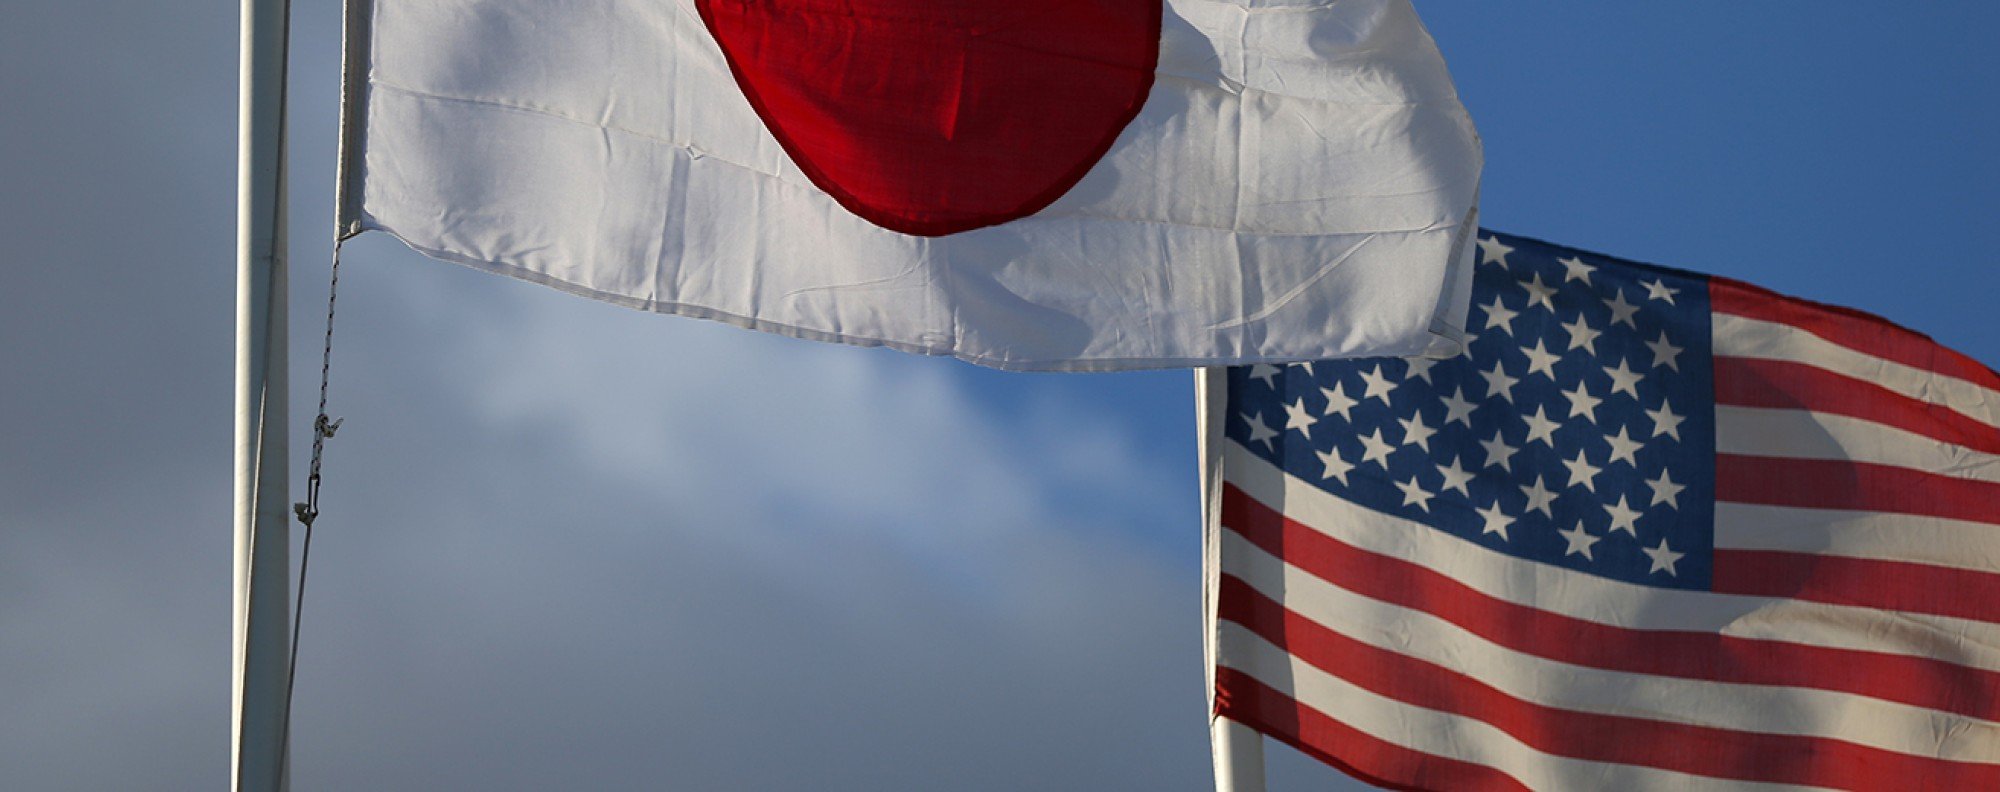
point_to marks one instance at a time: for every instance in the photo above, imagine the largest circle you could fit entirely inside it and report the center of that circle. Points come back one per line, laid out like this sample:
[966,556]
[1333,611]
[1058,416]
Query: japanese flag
[1025,184]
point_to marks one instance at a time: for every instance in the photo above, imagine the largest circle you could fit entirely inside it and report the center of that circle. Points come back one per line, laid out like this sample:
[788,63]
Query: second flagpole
[262,568]
[1237,750]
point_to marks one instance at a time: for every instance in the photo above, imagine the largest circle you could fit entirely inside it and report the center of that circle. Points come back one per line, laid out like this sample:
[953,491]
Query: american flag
[1652,530]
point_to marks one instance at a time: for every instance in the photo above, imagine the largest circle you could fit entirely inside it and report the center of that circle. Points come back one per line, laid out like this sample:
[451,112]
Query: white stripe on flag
[1736,336]
[1815,713]
[1610,602]
[1440,733]
[1800,434]
[1889,537]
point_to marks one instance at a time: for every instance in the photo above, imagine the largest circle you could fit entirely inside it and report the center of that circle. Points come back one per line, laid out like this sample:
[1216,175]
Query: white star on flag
[1497,315]
[1539,498]
[1419,368]
[1659,290]
[1665,353]
[1338,402]
[1624,379]
[1457,409]
[1496,520]
[1623,447]
[1575,269]
[1665,490]
[1415,432]
[1581,472]
[1259,431]
[1624,518]
[1336,467]
[1414,494]
[1296,417]
[1541,427]
[1491,251]
[1622,311]
[1665,422]
[1541,361]
[1378,386]
[1663,558]
[1498,383]
[1267,373]
[1455,477]
[1376,450]
[1579,541]
[1582,403]
[1498,452]
[1582,335]
[1539,293]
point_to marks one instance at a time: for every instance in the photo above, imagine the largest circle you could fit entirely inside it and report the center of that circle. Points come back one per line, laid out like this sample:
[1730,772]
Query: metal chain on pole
[308,510]
[323,426]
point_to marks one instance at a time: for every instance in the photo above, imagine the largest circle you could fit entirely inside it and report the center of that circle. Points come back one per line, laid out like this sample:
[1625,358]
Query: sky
[569,545]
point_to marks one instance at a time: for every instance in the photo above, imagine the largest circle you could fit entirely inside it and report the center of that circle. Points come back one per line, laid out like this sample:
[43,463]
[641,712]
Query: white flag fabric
[1291,181]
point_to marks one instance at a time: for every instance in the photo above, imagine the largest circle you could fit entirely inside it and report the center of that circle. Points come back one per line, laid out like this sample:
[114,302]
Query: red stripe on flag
[1595,737]
[1853,486]
[1856,330]
[1241,698]
[1918,681]
[1783,384]
[1869,583]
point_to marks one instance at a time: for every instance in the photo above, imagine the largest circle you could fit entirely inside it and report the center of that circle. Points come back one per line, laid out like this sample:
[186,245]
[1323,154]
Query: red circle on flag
[931,117]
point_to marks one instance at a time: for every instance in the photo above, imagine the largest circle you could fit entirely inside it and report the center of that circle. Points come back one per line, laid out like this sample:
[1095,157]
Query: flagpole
[262,579]
[1239,756]
[1237,750]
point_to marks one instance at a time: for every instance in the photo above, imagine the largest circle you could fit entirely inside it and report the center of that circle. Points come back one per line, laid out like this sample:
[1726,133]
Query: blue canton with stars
[1578,429]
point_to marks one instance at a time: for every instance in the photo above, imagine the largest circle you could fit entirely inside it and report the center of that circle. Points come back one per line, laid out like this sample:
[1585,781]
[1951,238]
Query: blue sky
[571,545]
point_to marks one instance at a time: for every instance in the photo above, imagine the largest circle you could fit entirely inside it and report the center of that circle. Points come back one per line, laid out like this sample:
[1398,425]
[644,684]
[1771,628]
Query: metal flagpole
[263,529]
[1238,750]
[1239,756]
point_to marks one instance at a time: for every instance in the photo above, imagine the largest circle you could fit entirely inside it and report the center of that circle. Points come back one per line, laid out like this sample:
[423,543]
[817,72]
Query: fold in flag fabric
[1654,530]
[1024,184]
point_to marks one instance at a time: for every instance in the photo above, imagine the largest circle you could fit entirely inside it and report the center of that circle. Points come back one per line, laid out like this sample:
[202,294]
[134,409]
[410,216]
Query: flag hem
[1418,346]
[356,37]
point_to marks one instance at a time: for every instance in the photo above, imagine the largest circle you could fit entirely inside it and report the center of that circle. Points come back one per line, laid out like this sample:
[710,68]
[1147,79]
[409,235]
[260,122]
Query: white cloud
[859,571]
